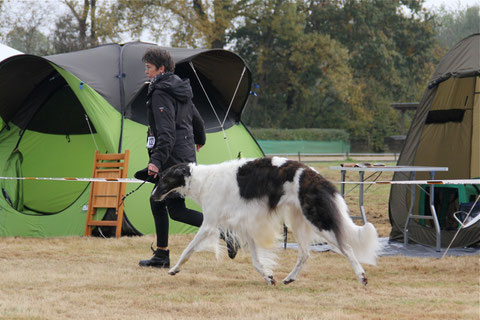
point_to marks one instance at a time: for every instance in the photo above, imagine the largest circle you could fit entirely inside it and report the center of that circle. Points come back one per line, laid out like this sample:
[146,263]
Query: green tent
[57,110]
[445,132]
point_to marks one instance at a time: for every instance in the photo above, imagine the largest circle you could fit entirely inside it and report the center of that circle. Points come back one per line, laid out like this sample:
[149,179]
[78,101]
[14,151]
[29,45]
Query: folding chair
[107,194]
[469,218]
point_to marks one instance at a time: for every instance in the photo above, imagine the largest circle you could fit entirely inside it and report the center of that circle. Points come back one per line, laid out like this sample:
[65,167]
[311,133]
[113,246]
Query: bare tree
[81,14]
[191,23]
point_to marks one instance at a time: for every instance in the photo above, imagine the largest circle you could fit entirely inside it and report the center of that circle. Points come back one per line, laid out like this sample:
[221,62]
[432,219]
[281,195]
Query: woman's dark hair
[159,57]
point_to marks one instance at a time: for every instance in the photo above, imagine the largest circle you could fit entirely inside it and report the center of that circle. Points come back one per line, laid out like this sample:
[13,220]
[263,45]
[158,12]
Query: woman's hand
[152,170]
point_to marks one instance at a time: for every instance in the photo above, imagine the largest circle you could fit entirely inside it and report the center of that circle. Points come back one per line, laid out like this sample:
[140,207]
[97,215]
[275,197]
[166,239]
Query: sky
[451,4]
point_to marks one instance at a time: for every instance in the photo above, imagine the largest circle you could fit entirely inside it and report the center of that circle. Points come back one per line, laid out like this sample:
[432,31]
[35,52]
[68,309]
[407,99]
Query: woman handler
[174,129]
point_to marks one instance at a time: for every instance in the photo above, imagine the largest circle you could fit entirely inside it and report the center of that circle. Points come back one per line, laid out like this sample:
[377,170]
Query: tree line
[315,63]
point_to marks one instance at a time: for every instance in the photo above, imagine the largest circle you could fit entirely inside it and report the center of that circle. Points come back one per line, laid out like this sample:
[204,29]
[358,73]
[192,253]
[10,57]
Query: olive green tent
[445,132]
[57,110]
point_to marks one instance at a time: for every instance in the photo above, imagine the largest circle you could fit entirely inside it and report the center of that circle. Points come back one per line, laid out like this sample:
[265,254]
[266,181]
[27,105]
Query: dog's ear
[183,170]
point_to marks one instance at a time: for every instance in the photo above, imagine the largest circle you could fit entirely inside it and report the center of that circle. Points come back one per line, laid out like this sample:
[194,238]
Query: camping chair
[107,194]
[465,223]
[448,199]
[468,219]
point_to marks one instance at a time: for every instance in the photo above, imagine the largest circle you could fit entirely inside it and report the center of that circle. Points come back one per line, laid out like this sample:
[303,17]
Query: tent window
[444,116]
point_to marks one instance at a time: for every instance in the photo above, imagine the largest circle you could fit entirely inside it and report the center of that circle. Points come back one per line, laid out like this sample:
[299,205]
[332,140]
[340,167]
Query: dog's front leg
[201,235]
[257,265]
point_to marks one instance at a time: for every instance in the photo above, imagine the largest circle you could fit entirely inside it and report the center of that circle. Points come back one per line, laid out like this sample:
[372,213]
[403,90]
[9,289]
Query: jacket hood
[176,87]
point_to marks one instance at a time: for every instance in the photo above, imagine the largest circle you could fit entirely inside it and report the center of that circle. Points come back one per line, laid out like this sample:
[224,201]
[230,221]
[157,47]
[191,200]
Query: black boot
[160,259]
[232,244]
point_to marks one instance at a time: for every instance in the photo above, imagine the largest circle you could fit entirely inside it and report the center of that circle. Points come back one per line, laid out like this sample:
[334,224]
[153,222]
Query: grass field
[93,278]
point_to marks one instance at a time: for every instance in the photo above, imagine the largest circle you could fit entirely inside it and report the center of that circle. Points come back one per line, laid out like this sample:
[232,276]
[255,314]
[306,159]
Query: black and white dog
[253,198]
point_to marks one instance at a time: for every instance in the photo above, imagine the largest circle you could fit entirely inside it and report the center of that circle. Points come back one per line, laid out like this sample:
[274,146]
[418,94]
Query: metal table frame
[413,169]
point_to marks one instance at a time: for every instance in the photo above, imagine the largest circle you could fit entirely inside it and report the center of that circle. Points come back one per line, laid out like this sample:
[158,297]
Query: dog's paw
[271,281]
[173,271]
[287,281]
[364,279]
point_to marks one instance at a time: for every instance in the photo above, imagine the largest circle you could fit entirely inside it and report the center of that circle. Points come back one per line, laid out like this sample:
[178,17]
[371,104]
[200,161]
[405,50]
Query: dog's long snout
[159,192]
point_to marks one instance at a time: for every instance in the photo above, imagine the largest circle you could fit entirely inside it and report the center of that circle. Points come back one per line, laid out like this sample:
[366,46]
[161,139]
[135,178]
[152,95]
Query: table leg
[434,214]
[410,211]
[342,185]
[360,198]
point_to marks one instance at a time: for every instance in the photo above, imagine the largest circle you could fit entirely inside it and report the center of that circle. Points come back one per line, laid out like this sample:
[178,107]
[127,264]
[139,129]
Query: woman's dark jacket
[174,121]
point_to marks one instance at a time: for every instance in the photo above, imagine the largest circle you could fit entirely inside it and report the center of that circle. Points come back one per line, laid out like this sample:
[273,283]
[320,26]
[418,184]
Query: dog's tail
[363,239]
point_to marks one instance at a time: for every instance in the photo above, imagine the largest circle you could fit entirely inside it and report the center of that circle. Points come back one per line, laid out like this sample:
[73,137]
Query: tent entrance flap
[48,155]
[12,191]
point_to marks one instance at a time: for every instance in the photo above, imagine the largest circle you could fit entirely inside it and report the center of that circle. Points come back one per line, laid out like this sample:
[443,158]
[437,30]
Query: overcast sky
[451,4]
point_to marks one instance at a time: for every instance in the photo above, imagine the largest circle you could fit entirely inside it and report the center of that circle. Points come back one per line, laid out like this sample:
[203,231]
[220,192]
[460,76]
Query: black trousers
[178,212]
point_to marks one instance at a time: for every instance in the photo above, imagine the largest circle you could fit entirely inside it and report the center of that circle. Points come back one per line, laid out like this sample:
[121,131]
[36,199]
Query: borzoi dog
[252,198]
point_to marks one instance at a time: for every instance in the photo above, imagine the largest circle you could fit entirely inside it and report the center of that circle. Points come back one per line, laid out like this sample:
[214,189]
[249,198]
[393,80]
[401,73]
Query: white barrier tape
[126,180]
[456,181]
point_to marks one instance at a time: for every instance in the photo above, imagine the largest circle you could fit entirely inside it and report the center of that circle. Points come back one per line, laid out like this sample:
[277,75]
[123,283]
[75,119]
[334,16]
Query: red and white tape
[454,181]
[126,180]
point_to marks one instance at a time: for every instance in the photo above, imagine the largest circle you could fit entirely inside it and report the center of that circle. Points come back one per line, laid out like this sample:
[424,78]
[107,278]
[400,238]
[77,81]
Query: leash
[123,201]
[131,192]
[99,228]
[144,181]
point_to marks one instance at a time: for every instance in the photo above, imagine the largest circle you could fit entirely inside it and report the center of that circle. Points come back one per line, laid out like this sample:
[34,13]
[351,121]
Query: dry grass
[90,278]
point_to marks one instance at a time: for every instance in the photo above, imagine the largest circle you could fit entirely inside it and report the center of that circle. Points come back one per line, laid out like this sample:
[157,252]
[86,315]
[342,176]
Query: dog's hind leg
[347,251]
[202,235]
[268,276]
[357,267]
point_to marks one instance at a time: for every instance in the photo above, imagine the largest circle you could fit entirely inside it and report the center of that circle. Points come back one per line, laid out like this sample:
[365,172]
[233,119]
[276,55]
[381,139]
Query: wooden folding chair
[107,194]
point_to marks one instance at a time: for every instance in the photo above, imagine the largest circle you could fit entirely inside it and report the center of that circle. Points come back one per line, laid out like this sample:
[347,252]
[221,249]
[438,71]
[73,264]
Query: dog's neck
[194,183]
[198,181]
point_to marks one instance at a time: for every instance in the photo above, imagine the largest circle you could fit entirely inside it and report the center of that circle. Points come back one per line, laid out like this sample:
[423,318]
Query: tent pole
[91,131]
[120,77]
[234,95]
[205,92]
[211,105]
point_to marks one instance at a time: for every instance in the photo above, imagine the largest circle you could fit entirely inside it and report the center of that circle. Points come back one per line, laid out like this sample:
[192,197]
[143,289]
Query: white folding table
[413,169]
